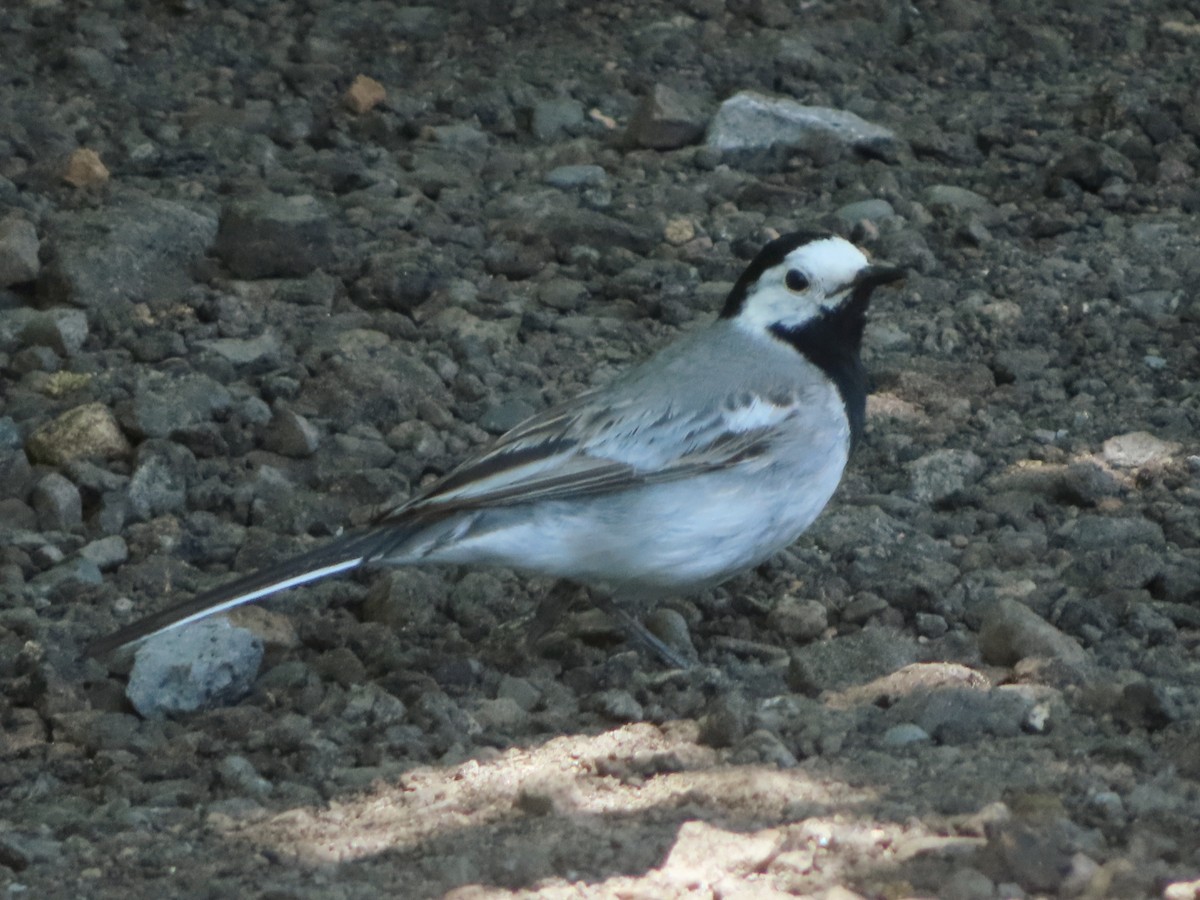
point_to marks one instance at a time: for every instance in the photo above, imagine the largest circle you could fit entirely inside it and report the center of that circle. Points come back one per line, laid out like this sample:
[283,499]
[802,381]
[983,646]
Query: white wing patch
[758,413]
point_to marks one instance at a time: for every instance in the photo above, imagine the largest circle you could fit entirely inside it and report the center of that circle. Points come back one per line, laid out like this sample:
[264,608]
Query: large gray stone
[938,475]
[163,404]
[138,248]
[552,119]
[18,251]
[63,330]
[754,122]
[58,504]
[275,237]
[160,479]
[208,664]
[850,659]
[1011,631]
[666,120]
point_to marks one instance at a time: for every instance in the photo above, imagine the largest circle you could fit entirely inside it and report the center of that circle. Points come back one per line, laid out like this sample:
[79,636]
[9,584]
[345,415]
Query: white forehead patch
[832,262]
[829,264]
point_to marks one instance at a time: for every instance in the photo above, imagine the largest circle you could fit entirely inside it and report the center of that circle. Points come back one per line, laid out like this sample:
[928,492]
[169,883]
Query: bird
[695,465]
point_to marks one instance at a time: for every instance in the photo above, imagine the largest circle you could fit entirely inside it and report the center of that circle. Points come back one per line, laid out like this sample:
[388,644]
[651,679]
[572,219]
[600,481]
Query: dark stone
[275,237]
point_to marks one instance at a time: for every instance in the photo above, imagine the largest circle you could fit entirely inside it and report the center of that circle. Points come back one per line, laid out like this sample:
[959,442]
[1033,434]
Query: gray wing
[600,444]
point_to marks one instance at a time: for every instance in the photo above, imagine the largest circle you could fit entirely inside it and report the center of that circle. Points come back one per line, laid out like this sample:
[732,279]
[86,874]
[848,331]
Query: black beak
[874,276]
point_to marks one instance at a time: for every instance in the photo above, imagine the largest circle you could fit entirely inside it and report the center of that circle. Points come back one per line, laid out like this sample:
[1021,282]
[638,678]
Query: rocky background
[265,265]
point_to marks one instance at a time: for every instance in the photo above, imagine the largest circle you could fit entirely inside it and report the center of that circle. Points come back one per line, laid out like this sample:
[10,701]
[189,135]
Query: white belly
[675,536]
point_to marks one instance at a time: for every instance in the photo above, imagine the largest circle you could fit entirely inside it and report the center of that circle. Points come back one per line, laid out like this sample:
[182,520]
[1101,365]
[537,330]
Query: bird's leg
[561,597]
[636,630]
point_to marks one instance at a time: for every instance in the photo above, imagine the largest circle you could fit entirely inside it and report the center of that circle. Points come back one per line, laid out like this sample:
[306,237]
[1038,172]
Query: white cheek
[776,305]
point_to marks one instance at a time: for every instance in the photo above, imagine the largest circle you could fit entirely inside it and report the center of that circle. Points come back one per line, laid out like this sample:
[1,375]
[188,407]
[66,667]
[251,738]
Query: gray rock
[966,883]
[963,715]
[520,691]
[1154,303]
[271,236]
[19,245]
[618,705]
[863,607]
[562,293]
[576,176]
[569,228]
[1036,851]
[263,349]
[1086,483]
[20,849]
[238,773]
[200,666]
[852,659]
[290,434]
[95,478]
[316,289]
[505,415]
[422,23]
[404,599]
[956,199]
[500,714]
[1149,705]
[35,359]
[666,120]
[1093,532]
[399,279]
[931,625]
[10,433]
[1137,449]
[1011,631]
[72,571]
[1025,364]
[939,475]
[798,620]
[1090,165]
[16,514]
[57,503]
[554,118]
[94,64]
[864,210]
[16,475]
[726,721]
[62,330]
[160,479]
[461,136]
[163,404]
[799,56]
[139,248]
[107,553]
[903,734]
[749,121]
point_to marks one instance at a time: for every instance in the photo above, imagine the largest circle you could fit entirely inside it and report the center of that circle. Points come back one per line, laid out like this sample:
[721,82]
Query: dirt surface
[270,297]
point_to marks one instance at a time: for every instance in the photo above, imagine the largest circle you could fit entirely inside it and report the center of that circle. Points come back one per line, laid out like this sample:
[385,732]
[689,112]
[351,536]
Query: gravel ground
[266,265]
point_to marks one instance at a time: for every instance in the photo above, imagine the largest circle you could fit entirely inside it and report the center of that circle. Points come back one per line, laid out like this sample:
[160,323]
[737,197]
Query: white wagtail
[695,465]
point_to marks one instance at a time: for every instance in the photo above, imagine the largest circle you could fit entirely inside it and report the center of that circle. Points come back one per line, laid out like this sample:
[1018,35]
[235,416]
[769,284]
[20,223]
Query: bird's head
[805,279]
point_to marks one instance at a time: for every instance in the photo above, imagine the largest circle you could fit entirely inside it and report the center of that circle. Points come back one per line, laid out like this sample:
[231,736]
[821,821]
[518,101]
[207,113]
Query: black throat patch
[833,342]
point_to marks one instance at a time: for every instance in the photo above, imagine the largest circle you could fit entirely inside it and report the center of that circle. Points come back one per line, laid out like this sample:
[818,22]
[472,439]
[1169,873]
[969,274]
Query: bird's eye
[796,280]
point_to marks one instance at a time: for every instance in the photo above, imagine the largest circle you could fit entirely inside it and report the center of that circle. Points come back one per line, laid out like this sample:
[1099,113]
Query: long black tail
[340,555]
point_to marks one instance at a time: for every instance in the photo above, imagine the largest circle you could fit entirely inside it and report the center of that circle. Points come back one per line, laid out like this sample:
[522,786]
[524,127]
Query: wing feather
[596,449]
